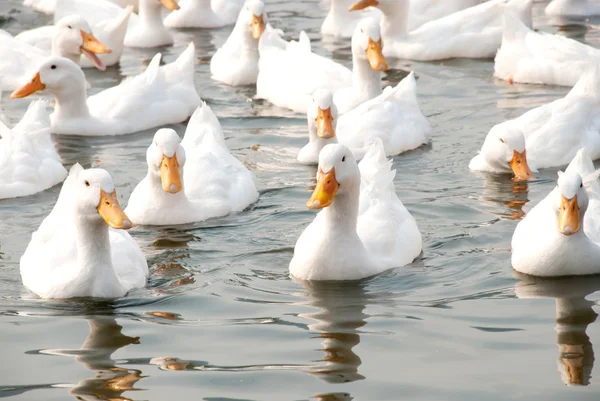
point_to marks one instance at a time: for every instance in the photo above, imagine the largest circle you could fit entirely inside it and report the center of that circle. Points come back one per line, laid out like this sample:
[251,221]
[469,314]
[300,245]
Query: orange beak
[170,4]
[519,166]
[568,216]
[111,211]
[169,174]
[31,87]
[325,191]
[375,56]
[257,26]
[91,44]
[362,4]
[324,122]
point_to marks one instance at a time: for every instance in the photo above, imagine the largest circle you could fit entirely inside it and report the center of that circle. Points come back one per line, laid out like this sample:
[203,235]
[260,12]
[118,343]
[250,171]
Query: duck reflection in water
[502,189]
[110,381]
[573,315]
[336,324]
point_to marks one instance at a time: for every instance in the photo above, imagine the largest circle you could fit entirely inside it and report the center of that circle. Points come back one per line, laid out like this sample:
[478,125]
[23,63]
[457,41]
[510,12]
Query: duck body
[289,72]
[49,6]
[364,230]
[394,117]
[540,58]
[474,32]
[204,14]
[556,131]
[544,245]
[214,182]
[573,8]
[340,22]
[74,253]
[29,162]
[236,62]
[423,11]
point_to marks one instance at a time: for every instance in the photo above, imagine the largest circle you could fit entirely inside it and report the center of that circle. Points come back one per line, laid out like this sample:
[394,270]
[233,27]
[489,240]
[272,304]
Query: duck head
[254,18]
[56,74]
[165,158]
[96,199]
[73,36]
[322,115]
[505,149]
[367,44]
[337,175]
[570,202]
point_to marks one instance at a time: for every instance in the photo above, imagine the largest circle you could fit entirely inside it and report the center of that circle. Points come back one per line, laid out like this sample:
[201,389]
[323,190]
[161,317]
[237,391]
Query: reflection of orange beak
[362,4]
[170,4]
[257,26]
[325,190]
[572,359]
[568,216]
[324,123]
[169,174]
[519,166]
[111,211]
[31,87]
[375,56]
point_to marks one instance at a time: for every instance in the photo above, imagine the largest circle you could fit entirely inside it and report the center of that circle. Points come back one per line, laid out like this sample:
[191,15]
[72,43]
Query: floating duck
[109,32]
[72,38]
[342,23]
[363,229]
[236,62]
[552,134]
[289,72]
[81,248]
[533,57]
[28,160]
[573,8]
[322,116]
[559,236]
[49,6]
[156,97]
[145,29]
[475,32]
[204,14]
[213,182]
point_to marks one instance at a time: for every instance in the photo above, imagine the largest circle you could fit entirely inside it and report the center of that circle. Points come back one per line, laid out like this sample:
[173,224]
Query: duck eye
[53,67]
[69,26]
[87,183]
[501,140]
[581,185]
[344,158]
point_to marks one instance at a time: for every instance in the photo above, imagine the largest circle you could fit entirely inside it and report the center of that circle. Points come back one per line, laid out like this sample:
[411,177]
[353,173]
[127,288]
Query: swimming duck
[557,237]
[213,182]
[289,72]
[156,97]
[109,32]
[81,248]
[204,14]
[145,29]
[322,117]
[475,32]
[342,23]
[533,57]
[28,160]
[552,134]
[573,8]
[72,38]
[236,62]
[49,6]
[363,229]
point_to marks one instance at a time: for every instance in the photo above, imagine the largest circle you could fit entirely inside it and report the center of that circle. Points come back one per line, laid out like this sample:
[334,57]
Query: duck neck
[342,215]
[150,13]
[394,19]
[71,101]
[365,80]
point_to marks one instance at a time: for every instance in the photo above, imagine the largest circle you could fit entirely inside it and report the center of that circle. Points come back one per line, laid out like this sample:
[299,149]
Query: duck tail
[203,123]
[377,176]
[588,84]
[522,9]
[186,63]
[35,121]
[304,42]
[271,38]
[118,26]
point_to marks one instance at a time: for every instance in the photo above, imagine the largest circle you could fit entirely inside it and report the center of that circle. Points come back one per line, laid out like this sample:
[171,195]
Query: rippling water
[221,319]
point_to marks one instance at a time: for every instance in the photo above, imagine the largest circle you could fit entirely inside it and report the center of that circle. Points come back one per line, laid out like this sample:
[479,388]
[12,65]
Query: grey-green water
[454,325]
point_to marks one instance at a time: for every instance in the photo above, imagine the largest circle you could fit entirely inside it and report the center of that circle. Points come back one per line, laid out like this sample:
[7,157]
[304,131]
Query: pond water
[222,320]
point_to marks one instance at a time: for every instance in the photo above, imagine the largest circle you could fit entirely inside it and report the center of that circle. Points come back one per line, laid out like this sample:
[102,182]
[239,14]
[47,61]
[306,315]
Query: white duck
[71,38]
[49,6]
[573,8]
[475,32]
[322,117]
[423,11]
[363,229]
[236,62]
[28,160]
[557,237]
[533,57]
[552,134]
[204,14]
[156,97]
[109,32]
[145,29]
[74,253]
[289,72]
[214,183]
[342,23]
